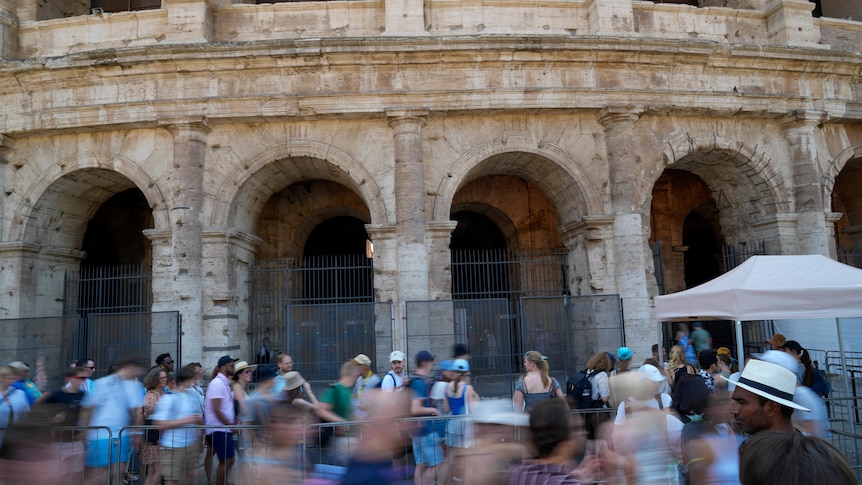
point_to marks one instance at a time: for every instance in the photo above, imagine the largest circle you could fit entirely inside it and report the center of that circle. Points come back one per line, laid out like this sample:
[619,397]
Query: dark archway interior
[701,258]
[475,231]
[115,233]
[478,258]
[337,236]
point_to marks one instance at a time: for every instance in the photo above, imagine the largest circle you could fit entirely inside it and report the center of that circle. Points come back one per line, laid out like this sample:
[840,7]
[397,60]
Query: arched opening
[336,267]
[702,243]
[478,258]
[847,199]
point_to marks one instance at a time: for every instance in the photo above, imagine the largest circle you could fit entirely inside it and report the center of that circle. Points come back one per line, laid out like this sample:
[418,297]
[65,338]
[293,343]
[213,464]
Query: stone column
[611,17]
[632,261]
[799,129]
[226,261]
[409,207]
[590,245]
[9,29]
[438,235]
[6,144]
[789,22]
[32,278]
[177,254]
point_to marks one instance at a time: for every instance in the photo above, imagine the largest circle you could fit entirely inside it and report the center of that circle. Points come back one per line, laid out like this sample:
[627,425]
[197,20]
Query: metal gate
[319,309]
[108,289]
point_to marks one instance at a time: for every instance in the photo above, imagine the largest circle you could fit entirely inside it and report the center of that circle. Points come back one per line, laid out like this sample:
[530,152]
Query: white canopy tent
[771,288]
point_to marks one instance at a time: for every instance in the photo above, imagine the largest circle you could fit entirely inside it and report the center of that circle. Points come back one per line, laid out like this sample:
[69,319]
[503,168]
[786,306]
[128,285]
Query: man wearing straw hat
[763,398]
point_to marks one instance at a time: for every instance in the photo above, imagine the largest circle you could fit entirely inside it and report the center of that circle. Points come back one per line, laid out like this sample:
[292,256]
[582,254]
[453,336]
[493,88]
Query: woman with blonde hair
[677,366]
[535,384]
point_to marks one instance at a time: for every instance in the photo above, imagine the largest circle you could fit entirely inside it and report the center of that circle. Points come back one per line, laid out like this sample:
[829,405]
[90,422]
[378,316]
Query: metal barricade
[844,411]
[50,454]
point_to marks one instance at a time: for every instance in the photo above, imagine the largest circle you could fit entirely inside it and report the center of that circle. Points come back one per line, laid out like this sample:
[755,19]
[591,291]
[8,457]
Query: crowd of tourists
[688,418]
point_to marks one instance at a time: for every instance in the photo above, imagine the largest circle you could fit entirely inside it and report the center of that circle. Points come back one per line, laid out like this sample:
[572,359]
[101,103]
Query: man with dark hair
[708,361]
[427,448]
[179,447]
[219,412]
[88,367]
[763,398]
[166,362]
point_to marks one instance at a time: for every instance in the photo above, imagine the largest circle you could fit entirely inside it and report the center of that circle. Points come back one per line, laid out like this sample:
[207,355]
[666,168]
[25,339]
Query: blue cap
[461,365]
[446,365]
[624,353]
[424,355]
[613,359]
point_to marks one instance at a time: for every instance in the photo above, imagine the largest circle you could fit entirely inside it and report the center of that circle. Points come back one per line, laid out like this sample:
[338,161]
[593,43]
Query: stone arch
[91,178]
[707,155]
[271,170]
[834,168]
[498,217]
[561,178]
[309,223]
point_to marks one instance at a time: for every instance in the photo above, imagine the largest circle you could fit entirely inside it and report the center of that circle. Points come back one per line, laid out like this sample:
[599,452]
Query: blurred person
[677,366]
[776,342]
[624,354]
[814,422]
[30,456]
[285,366]
[700,338]
[371,464]
[726,365]
[711,447]
[497,442]
[598,369]
[277,461]
[25,384]
[535,384]
[684,341]
[336,406]
[394,378]
[242,373]
[176,414]
[460,351]
[155,382]
[640,434]
[660,358]
[89,366]
[779,458]
[197,369]
[219,411]
[686,416]
[763,398]
[665,386]
[812,378]
[259,403]
[367,380]
[442,380]
[115,403]
[557,437]
[708,360]
[459,399]
[427,449]
[166,362]
[292,394]
[14,404]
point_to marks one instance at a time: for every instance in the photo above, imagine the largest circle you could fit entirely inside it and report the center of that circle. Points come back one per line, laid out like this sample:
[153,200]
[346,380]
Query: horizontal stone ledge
[217,317]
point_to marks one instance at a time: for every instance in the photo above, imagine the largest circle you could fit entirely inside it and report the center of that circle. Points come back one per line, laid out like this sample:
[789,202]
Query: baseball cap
[266,372]
[424,355]
[362,359]
[396,355]
[792,345]
[624,353]
[446,365]
[19,365]
[461,365]
[225,360]
[723,351]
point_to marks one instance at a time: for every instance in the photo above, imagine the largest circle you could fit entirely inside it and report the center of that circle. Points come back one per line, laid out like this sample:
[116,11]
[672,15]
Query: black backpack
[579,390]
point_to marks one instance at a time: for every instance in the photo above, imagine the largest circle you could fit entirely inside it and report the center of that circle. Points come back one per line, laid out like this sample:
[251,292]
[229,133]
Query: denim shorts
[427,449]
[103,452]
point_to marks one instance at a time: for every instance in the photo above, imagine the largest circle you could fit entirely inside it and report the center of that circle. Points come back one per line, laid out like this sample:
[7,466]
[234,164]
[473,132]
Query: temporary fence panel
[107,338]
[47,342]
[322,337]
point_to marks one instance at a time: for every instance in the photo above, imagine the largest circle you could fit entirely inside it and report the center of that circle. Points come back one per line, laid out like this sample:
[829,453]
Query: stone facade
[596,125]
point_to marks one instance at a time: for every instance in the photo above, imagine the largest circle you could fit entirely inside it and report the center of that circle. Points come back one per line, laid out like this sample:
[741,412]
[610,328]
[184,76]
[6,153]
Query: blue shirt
[178,405]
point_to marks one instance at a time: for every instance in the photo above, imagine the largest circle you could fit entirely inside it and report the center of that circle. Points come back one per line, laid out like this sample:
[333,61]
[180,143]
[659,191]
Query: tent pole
[846,381]
[740,350]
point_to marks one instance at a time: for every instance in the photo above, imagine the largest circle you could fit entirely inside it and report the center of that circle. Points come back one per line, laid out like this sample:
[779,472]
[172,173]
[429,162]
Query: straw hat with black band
[770,381]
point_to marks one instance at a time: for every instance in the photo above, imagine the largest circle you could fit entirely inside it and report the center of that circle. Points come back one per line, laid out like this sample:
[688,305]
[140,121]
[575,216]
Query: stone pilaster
[611,17]
[404,18]
[9,29]
[831,219]
[590,245]
[438,235]
[384,237]
[178,252]
[32,278]
[789,22]
[190,21]
[800,131]
[632,256]
[227,255]
[779,232]
[5,181]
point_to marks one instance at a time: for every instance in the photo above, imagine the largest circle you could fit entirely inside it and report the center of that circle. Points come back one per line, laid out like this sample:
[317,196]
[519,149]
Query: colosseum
[214,177]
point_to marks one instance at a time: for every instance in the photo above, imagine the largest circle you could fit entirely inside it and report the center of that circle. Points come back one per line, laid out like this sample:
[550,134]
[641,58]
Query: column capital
[190,127]
[399,115]
[593,227]
[381,231]
[440,228]
[233,235]
[619,113]
[802,117]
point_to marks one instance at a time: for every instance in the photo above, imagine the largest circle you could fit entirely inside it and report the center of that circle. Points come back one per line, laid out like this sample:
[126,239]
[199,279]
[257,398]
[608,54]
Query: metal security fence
[850,256]
[49,342]
[108,289]
[321,337]
[500,273]
[566,329]
[733,256]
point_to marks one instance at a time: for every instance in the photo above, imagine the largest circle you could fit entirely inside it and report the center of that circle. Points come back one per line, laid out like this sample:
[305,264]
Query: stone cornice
[52,252]
[243,239]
